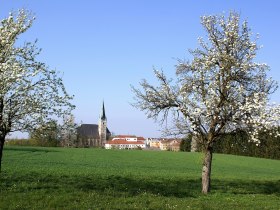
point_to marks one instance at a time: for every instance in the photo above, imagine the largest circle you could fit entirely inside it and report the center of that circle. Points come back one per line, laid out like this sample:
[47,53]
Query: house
[170,144]
[126,142]
[153,143]
[164,144]
[93,135]
[175,145]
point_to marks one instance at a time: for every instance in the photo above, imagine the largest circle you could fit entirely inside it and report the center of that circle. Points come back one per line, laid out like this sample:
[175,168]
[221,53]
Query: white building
[126,142]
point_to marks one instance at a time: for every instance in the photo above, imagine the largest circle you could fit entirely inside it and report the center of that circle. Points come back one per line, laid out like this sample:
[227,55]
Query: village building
[94,135]
[170,144]
[153,143]
[175,145]
[126,142]
[98,135]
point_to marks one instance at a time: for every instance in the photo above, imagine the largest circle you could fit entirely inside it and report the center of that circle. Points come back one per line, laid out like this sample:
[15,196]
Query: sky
[103,47]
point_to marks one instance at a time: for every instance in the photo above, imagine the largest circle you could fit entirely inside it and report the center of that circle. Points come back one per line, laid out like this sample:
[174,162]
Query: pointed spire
[103,116]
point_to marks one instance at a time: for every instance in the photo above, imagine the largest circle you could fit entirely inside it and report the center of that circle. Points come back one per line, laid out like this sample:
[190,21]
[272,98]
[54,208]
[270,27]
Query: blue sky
[102,47]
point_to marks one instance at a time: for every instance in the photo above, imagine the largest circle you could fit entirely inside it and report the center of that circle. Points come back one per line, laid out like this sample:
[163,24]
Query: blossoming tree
[221,89]
[30,93]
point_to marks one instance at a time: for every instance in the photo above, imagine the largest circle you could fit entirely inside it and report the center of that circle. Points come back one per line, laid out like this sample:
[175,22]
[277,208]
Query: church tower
[102,127]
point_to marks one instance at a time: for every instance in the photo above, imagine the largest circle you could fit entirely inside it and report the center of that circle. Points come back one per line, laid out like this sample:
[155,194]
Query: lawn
[72,178]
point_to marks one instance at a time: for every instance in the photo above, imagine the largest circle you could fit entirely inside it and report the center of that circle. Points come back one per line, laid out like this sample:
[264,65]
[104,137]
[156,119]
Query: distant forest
[237,143]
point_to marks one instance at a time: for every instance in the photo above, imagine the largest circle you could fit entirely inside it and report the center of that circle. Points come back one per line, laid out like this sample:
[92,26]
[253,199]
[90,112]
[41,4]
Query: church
[93,135]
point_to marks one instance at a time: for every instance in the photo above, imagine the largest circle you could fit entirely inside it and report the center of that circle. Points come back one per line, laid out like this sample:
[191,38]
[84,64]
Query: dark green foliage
[185,144]
[33,142]
[238,143]
[19,142]
[269,146]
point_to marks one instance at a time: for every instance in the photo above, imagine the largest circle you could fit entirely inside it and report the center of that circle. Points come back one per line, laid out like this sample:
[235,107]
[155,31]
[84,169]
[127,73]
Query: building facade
[126,142]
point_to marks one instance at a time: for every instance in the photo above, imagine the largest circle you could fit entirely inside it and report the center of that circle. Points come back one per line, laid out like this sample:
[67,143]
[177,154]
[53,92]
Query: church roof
[89,131]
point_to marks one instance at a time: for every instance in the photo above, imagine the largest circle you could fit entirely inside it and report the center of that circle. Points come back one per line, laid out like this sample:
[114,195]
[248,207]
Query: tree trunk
[2,141]
[194,143]
[206,170]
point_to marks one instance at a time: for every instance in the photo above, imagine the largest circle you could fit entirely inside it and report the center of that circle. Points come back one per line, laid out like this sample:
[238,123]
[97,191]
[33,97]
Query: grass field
[71,178]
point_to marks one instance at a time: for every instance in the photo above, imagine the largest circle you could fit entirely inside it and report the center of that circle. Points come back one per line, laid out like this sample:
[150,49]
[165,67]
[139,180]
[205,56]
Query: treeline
[34,142]
[238,143]
[51,134]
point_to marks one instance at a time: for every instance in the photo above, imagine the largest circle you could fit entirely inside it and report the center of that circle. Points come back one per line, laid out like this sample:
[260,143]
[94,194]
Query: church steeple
[103,116]
[102,127]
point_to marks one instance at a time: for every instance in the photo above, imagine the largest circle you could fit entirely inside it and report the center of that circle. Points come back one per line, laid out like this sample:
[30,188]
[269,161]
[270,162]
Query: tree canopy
[220,90]
[31,94]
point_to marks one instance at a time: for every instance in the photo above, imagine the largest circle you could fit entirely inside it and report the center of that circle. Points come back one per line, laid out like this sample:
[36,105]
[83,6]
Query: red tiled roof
[118,139]
[121,141]
[129,136]
[125,136]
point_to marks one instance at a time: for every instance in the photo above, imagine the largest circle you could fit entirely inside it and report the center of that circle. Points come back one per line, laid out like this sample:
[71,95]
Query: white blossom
[30,93]
[222,89]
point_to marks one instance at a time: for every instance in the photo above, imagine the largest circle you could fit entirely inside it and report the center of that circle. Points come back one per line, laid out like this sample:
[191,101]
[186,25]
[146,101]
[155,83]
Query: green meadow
[77,178]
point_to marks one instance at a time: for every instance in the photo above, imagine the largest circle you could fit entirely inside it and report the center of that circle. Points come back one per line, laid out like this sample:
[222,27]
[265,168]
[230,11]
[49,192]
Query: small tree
[222,89]
[68,131]
[30,93]
[185,144]
[46,135]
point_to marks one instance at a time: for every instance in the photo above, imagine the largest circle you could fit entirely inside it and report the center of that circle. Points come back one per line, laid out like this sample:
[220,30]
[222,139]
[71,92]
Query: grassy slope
[49,178]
